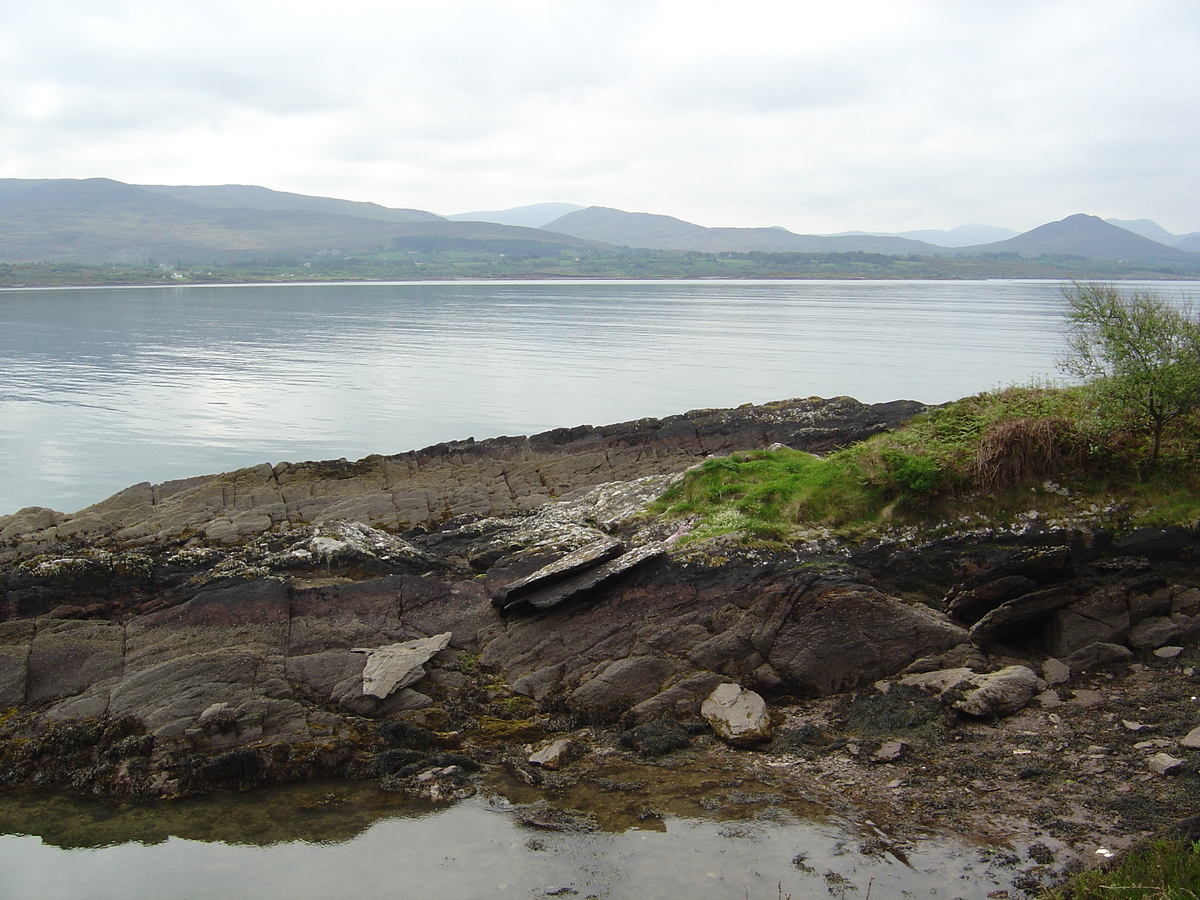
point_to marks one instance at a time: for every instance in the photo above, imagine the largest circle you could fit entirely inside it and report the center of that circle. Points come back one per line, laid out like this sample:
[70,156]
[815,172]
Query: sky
[879,115]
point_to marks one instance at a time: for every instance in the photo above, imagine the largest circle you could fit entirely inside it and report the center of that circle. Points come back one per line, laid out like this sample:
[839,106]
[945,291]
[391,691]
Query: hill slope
[98,221]
[658,232]
[246,196]
[1083,235]
[535,215]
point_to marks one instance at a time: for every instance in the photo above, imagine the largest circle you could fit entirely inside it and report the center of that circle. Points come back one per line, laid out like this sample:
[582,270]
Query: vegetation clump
[1168,869]
[1124,443]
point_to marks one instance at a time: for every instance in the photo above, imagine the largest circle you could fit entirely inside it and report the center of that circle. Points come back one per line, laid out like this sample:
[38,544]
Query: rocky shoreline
[405,619]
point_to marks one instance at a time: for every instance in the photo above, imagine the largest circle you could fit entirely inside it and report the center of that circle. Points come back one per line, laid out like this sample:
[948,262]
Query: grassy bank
[989,458]
[1168,869]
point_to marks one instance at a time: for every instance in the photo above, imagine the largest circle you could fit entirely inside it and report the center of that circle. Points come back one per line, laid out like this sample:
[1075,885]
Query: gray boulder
[737,715]
[1000,693]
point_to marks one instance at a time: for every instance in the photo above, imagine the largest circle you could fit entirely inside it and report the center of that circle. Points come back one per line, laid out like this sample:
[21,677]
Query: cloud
[880,114]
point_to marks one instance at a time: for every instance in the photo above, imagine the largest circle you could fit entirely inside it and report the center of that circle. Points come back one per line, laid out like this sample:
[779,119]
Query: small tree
[1141,354]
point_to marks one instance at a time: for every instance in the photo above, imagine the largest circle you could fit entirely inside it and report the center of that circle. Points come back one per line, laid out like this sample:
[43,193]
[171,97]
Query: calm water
[321,842]
[103,388]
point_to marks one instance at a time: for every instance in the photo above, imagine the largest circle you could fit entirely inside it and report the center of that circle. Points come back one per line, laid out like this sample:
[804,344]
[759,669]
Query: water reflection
[342,840]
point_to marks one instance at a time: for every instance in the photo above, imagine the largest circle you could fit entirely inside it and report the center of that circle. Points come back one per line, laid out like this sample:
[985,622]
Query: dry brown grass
[1013,452]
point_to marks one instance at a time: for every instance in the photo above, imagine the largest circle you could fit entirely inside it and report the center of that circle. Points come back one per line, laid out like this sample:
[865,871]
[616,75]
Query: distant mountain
[1190,242]
[533,216]
[98,221]
[1086,236]
[961,236]
[246,196]
[658,232]
[1147,229]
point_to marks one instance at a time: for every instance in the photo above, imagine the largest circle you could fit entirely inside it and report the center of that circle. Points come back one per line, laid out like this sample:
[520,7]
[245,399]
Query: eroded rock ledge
[424,487]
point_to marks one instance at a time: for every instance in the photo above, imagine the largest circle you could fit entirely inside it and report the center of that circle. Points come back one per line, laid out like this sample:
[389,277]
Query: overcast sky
[819,116]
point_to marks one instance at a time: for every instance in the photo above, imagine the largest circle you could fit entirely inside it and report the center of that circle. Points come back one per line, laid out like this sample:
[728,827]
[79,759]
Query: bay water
[102,388]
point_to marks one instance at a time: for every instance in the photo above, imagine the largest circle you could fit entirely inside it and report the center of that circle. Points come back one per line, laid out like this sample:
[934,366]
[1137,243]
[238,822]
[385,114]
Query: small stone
[1055,671]
[889,752]
[1133,726]
[1164,764]
[1168,652]
[1192,741]
[554,755]
[895,783]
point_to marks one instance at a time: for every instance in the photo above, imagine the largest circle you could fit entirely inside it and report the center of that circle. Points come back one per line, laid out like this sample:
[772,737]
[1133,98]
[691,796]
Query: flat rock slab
[581,560]
[586,579]
[398,665]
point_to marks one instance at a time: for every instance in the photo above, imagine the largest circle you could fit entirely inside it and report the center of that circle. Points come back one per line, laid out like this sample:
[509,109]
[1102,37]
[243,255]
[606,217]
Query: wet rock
[1164,764]
[681,700]
[398,665]
[556,754]
[443,784]
[67,657]
[554,818]
[655,739]
[737,715]
[1000,693]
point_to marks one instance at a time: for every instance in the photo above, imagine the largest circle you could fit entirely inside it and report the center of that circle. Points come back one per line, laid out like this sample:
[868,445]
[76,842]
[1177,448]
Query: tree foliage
[1140,353]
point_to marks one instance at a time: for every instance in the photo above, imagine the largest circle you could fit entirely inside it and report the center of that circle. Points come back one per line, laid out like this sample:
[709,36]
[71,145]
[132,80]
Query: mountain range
[98,221]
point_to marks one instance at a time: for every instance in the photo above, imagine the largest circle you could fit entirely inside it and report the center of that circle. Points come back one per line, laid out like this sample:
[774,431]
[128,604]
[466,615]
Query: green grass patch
[992,456]
[1166,870]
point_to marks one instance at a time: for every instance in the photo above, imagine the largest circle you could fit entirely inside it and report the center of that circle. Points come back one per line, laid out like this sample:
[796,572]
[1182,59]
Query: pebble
[1168,652]
[1192,741]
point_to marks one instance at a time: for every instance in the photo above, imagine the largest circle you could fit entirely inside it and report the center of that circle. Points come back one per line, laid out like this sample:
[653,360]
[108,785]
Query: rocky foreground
[509,605]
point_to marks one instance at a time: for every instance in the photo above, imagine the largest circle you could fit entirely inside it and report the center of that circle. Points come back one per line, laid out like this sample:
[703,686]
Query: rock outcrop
[492,477]
[152,666]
